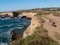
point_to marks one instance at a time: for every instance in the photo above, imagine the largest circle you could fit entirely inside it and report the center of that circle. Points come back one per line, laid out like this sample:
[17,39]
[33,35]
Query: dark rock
[29,18]
[15,14]
[24,17]
[16,33]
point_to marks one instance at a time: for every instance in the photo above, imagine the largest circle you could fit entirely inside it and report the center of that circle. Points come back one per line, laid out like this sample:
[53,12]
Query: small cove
[8,24]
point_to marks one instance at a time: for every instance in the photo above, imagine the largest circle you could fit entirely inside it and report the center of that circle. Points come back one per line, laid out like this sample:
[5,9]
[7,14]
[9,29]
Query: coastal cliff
[34,23]
[35,34]
[31,28]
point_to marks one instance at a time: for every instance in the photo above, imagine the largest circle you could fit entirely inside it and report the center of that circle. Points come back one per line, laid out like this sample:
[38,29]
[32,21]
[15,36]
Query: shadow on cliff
[18,33]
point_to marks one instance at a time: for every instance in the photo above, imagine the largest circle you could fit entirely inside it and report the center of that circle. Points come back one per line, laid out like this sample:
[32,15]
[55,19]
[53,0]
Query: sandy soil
[53,32]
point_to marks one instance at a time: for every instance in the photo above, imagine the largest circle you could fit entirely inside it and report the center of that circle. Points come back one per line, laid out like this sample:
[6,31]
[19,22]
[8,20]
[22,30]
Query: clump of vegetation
[39,37]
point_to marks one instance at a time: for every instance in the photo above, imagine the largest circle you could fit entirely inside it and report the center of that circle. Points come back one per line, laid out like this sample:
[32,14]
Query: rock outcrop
[15,14]
[9,14]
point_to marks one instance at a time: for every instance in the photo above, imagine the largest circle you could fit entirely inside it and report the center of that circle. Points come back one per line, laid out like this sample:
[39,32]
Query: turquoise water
[8,24]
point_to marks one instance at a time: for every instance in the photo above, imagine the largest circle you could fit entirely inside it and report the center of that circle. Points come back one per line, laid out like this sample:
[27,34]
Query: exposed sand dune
[53,32]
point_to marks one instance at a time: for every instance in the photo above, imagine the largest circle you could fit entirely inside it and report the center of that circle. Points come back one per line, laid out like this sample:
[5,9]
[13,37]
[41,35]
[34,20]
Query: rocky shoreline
[23,33]
[18,33]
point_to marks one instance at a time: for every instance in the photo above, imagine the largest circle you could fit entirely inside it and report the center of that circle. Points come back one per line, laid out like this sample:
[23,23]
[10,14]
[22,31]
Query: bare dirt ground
[53,32]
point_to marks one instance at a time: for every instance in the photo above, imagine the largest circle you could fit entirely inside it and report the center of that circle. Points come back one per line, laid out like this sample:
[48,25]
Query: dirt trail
[53,32]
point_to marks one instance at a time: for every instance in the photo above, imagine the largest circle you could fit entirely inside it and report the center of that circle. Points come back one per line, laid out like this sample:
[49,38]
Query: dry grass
[39,37]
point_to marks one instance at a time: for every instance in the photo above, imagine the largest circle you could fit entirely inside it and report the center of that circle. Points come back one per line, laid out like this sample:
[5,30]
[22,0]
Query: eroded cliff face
[34,23]
[6,14]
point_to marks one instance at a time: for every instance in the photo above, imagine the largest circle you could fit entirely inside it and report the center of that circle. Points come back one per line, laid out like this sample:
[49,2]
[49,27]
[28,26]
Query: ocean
[7,25]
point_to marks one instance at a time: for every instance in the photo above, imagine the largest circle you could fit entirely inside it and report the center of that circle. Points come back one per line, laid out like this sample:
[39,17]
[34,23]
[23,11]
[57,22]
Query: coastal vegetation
[39,37]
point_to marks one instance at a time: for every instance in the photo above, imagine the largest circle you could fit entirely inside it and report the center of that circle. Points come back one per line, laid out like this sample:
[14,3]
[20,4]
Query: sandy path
[53,32]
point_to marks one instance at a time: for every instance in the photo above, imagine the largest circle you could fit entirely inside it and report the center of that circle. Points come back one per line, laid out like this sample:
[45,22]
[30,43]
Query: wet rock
[24,17]
[17,33]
